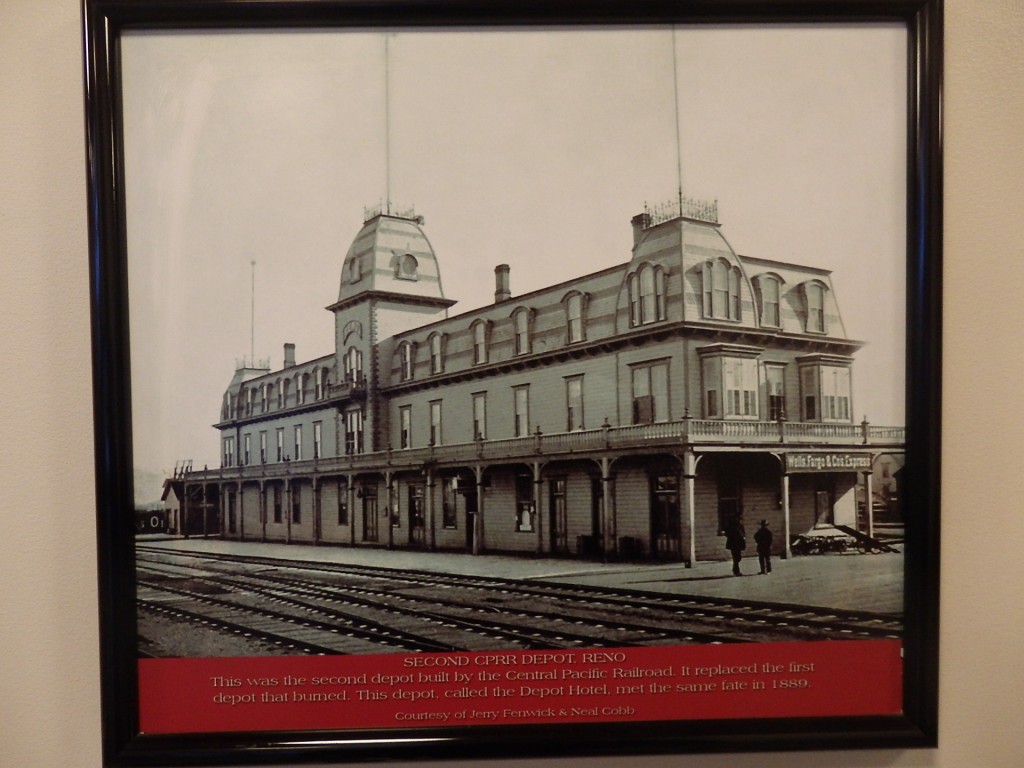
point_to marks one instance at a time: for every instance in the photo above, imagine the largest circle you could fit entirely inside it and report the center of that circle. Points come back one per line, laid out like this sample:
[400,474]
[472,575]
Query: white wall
[49,694]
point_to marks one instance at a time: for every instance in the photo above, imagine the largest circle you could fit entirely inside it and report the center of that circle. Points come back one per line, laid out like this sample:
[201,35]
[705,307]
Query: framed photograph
[486,379]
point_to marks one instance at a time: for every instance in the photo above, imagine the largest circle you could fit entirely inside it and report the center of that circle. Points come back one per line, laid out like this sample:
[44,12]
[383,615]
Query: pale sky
[531,148]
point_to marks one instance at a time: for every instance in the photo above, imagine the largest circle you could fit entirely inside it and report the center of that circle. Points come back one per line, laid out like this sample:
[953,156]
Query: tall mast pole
[252,314]
[679,136]
[387,126]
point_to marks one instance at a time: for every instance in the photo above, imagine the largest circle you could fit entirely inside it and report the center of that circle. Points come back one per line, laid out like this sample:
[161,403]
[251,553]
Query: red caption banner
[817,679]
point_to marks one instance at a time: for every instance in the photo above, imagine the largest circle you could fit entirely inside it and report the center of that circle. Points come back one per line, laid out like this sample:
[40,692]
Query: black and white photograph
[476,340]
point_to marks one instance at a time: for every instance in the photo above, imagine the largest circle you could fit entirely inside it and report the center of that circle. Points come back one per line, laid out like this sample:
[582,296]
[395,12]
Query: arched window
[647,295]
[574,320]
[286,384]
[721,288]
[521,321]
[320,377]
[407,267]
[353,365]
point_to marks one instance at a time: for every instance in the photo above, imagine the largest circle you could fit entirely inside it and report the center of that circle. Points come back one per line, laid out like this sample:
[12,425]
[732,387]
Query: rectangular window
[711,367]
[521,396]
[809,393]
[298,443]
[480,416]
[435,422]
[650,393]
[263,447]
[280,444]
[835,393]
[740,378]
[353,432]
[229,452]
[574,403]
[524,504]
[247,455]
[318,439]
[405,426]
[449,518]
[775,392]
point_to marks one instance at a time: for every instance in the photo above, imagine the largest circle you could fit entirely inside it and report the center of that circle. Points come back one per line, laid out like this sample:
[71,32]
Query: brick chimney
[502,292]
[640,222]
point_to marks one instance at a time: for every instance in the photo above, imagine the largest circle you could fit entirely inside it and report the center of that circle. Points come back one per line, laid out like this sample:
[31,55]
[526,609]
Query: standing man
[736,542]
[763,539]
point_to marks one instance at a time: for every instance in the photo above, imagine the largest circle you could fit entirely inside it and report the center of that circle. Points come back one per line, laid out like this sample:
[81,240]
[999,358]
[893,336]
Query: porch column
[787,552]
[607,508]
[206,510]
[389,500]
[869,506]
[478,525]
[429,510]
[241,512]
[288,510]
[222,506]
[535,466]
[317,512]
[263,509]
[690,502]
[350,491]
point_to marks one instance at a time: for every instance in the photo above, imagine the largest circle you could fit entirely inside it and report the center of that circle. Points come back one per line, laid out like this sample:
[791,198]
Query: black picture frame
[104,21]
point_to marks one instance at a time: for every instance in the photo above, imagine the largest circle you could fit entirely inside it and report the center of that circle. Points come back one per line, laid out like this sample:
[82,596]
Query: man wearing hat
[763,539]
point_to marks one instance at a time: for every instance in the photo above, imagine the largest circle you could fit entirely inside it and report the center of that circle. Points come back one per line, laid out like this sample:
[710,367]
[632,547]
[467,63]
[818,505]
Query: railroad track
[336,608]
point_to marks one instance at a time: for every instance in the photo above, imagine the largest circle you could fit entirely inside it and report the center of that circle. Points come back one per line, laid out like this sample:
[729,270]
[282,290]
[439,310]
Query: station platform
[846,581]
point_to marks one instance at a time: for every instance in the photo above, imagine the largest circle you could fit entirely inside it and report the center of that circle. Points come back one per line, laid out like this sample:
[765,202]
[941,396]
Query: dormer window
[406,359]
[814,301]
[407,267]
[721,289]
[355,269]
[480,334]
[574,319]
[436,353]
[647,295]
[769,293]
[521,321]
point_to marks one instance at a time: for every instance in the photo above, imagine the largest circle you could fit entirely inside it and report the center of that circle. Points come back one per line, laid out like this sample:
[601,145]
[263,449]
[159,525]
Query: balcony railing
[695,433]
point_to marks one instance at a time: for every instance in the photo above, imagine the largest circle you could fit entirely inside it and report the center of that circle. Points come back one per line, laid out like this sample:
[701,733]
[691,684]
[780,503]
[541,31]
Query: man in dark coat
[735,542]
[763,539]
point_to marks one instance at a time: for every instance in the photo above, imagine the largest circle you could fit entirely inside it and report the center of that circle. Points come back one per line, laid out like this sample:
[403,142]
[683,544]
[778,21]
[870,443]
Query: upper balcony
[686,433]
